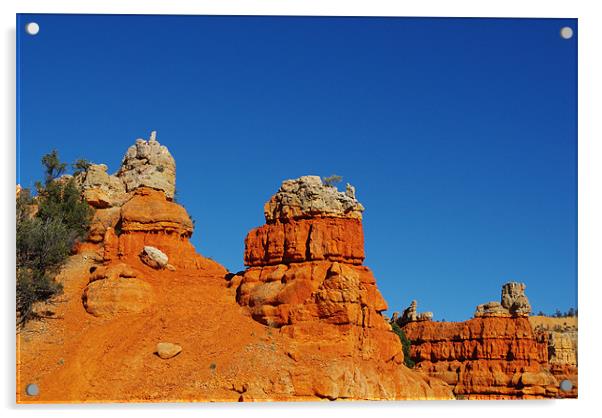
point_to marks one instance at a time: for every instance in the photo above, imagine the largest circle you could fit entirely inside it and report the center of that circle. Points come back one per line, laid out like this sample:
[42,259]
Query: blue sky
[460,135]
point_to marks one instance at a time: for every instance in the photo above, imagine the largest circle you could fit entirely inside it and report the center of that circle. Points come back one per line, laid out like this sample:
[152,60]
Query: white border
[590,187]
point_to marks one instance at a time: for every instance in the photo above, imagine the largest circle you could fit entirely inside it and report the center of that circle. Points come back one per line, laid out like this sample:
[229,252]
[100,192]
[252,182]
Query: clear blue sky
[460,135]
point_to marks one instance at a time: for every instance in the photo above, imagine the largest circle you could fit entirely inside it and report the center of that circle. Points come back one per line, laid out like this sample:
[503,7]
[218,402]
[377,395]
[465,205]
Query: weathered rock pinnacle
[513,302]
[148,163]
[308,197]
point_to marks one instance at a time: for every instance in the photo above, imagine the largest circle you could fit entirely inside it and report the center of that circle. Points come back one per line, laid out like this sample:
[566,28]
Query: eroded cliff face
[306,279]
[496,355]
[484,358]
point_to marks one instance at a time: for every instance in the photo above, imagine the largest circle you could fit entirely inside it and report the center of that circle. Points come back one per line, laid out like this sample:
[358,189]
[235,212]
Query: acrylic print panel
[365,208]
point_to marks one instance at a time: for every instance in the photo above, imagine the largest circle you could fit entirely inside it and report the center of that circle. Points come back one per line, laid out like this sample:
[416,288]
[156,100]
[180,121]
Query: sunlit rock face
[496,355]
[306,278]
[149,164]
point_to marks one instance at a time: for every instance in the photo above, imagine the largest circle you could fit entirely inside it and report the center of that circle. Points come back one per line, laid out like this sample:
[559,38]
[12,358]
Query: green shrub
[47,229]
[53,167]
[61,200]
[405,343]
[80,166]
[332,180]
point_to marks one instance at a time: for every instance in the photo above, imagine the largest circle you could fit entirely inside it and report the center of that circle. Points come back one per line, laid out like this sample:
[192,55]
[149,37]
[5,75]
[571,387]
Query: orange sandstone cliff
[145,318]
[496,355]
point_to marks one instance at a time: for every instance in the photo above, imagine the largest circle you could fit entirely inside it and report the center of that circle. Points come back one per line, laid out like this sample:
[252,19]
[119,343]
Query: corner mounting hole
[32,389]
[566,385]
[566,32]
[32,28]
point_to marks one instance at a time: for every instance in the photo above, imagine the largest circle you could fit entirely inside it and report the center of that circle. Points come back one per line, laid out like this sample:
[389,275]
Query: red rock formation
[484,358]
[115,290]
[148,218]
[496,355]
[310,325]
[124,223]
[149,211]
[305,278]
[333,239]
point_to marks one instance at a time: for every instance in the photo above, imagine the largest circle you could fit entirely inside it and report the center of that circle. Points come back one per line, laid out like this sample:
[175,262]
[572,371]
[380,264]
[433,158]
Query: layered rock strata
[306,279]
[496,355]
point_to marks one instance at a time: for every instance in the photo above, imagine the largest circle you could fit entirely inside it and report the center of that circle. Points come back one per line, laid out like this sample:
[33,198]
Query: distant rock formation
[410,314]
[514,303]
[305,278]
[495,355]
[515,300]
[561,337]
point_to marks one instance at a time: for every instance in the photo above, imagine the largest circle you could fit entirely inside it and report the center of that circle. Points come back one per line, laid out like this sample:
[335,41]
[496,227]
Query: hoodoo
[306,279]
[135,209]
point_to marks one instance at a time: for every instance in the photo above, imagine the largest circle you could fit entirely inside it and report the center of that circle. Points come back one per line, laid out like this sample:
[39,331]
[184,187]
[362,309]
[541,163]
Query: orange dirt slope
[227,356]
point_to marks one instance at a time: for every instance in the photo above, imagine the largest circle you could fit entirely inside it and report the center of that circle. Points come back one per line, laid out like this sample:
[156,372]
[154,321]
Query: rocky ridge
[496,355]
[303,322]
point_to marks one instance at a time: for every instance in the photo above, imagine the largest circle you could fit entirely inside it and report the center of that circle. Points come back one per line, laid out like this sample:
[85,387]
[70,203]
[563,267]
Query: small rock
[168,350]
[154,257]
